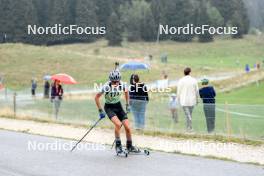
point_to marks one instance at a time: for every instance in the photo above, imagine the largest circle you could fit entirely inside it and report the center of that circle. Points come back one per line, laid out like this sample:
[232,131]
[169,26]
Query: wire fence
[231,120]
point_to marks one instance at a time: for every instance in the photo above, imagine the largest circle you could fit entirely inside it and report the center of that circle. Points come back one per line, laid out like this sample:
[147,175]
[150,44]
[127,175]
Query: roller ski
[135,151]
[119,150]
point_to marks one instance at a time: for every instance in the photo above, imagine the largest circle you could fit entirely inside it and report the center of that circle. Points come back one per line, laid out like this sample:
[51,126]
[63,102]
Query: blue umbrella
[47,77]
[134,66]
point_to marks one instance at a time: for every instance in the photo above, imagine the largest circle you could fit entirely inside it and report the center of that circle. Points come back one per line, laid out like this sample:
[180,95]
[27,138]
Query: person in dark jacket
[207,94]
[46,89]
[138,95]
[131,80]
[56,96]
[33,87]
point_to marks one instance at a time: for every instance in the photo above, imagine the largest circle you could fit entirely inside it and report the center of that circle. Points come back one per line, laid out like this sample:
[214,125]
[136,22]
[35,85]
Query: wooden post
[14,103]
[242,133]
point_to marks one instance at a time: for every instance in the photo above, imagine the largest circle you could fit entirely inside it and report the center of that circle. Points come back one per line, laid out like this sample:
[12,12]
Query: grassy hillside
[253,94]
[90,63]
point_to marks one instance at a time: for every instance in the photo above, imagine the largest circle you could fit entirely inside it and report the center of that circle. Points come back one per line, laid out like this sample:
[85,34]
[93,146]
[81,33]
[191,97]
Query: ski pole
[86,134]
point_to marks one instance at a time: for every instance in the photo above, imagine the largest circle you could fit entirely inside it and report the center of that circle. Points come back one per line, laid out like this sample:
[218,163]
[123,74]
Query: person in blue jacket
[207,94]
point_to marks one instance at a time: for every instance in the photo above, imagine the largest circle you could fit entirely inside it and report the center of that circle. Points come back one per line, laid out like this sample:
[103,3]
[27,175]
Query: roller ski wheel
[121,152]
[136,151]
[146,152]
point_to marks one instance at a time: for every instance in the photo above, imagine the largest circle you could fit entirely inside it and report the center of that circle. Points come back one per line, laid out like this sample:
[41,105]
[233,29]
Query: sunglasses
[115,82]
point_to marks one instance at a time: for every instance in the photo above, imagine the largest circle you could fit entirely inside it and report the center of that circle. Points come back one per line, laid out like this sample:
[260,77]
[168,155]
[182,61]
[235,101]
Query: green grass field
[89,63]
[252,94]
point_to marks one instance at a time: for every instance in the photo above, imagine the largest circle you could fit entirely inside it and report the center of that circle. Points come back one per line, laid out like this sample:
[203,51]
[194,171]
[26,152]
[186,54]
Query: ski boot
[131,148]
[134,150]
[119,149]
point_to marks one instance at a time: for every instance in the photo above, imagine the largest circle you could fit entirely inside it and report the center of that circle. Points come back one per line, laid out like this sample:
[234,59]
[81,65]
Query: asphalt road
[19,157]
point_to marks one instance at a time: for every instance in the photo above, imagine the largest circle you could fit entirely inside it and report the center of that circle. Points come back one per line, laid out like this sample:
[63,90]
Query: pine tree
[6,20]
[139,22]
[157,8]
[261,12]
[42,16]
[103,11]
[58,14]
[114,31]
[216,18]
[24,14]
[157,11]
[261,25]
[239,19]
[85,17]
[148,28]
[237,22]
[72,11]
[131,16]
[179,13]
[234,13]
[241,9]
[42,11]
[209,15]
[226,8]
[255,9]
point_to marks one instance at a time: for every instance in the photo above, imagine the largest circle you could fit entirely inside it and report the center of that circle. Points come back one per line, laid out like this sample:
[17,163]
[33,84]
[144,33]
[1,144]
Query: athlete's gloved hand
[127,108]
[101,114]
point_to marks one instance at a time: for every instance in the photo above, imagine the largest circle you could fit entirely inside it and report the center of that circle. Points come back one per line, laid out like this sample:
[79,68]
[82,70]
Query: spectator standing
[46,89]
[33,87]
[4,38]
[164,58]
[131,80]
[56,96]
[138,94]
[187,95]
[247,68]
[258,65]
[173,105]
[207,94]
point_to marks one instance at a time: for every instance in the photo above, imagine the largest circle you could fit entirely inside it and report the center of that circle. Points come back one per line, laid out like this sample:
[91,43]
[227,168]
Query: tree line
[132,20]
[256,13]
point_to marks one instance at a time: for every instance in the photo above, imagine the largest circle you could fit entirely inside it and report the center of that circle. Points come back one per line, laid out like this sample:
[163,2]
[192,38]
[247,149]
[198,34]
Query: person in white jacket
[187,94]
